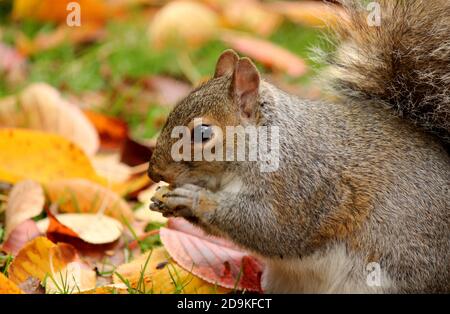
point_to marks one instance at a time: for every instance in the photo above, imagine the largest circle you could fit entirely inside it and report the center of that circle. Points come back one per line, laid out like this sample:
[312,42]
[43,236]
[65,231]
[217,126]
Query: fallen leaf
[91,228]
[182,225]
[84,196]
[110,167]
[7,286]
[57,11]
[43,157]
[183,24]
[20,235]
[112,131]
[168,91]
[309,13]
[26,200]
[132,186]
[40,258]
[161,275]
[250,15]
[12,64]
[32,286]
[44,41]
[119,288]
[75,277]
[41,107]
[266,53]
[221,265]
[135,153]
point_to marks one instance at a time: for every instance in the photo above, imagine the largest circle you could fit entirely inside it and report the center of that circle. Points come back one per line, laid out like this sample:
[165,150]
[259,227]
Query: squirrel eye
[201,133]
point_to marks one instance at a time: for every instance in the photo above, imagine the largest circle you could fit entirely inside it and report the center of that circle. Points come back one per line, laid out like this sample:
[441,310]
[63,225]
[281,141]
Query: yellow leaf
[7,286]
[43,157]
[39,259]
[83,196]
[26,200]
[41,107]
[162,275]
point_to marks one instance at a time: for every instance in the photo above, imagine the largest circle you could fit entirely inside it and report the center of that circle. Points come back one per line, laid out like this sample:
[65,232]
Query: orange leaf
[222,265]
[112,131]
[56,11]
[7,286]
[267,53]
[40,258]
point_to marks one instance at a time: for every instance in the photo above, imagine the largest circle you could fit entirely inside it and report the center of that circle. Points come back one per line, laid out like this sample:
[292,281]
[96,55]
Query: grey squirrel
[362,185]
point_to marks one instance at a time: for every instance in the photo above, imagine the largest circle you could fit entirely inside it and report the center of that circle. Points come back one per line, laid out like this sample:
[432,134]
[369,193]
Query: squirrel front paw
[186,201]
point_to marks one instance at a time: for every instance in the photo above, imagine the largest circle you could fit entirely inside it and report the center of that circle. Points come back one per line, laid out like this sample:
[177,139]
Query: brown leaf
[266,53]
[222,265]
[135,152]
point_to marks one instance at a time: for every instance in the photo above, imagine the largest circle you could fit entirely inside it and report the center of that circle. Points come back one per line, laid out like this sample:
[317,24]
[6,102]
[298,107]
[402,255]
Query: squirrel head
[229,99]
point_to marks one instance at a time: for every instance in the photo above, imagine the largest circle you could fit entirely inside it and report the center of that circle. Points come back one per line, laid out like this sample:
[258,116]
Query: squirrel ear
[245,86]
[226,63]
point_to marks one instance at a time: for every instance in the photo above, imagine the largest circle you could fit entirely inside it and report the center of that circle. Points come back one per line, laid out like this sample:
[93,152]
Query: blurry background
[133,59]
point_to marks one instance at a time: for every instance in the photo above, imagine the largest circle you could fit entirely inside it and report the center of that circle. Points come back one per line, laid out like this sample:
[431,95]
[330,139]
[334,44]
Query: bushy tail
[403,63]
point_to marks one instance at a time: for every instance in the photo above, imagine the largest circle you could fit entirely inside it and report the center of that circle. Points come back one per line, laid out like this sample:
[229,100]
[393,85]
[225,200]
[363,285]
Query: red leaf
[20,235]
[222,264]
[267,53]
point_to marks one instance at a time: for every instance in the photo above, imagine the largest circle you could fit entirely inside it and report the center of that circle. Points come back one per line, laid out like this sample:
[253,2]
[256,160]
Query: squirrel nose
[153,174]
